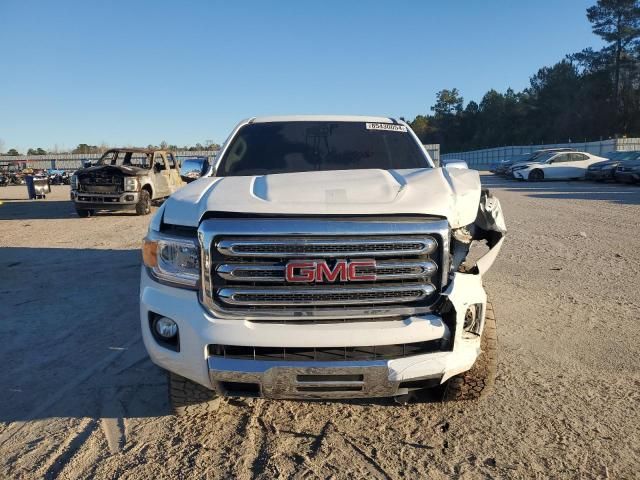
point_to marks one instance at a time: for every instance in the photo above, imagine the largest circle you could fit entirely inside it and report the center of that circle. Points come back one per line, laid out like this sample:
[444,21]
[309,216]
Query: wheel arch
[148,187]
[535,170]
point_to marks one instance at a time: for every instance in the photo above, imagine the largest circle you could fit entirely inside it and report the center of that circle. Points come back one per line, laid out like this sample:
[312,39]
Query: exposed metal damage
[487,231]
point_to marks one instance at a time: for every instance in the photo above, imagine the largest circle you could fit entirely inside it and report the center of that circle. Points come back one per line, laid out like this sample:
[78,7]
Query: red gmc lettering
[324,272]
[354,276]
[306,271]
[318,271]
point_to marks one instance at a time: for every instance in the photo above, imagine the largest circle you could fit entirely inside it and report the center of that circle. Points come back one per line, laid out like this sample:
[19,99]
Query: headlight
[74,182]
[172,260]
[130,184]
[520,167]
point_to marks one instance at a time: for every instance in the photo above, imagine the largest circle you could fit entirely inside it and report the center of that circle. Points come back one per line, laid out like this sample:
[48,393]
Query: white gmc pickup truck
[322,257]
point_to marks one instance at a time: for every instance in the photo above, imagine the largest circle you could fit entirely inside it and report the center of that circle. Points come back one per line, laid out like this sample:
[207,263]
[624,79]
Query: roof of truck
[137,150]
[322,118]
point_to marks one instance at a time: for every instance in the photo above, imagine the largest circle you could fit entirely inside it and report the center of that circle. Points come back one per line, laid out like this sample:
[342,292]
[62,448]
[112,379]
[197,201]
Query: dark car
[603,171]
[501,167]
[629,170]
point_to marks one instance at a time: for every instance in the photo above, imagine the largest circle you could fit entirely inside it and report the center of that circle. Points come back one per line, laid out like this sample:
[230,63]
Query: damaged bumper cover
[307,379]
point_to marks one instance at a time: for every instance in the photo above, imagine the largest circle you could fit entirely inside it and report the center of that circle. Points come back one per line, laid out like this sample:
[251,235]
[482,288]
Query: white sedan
[555,166]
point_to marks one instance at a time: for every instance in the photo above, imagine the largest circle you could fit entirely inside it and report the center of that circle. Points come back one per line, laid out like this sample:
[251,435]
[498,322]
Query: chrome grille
[245,264]
[325,295]
[274,272]
[326,247]
[319,354]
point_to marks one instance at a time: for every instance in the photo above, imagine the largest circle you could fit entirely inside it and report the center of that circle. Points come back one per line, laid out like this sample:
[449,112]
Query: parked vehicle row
[18,177]
[620,167]
[567,164]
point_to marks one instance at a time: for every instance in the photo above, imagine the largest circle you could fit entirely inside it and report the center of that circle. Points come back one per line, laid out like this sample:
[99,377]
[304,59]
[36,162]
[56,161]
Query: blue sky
[139,72]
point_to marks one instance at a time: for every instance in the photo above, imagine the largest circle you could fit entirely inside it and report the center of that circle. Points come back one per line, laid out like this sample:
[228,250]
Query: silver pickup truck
[125,179]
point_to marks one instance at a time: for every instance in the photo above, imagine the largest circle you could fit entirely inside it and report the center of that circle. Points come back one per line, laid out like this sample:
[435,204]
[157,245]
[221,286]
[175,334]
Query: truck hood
[452,194]
[125,170]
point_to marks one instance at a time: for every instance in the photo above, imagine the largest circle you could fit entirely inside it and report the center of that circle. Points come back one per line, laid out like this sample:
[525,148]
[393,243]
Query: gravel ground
[80,399]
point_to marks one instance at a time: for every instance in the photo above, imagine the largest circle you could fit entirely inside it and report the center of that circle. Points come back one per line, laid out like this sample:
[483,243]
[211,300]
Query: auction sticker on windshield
[386,126]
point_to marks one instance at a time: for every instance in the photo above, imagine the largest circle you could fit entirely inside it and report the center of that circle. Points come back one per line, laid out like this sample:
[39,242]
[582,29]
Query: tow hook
[404,399]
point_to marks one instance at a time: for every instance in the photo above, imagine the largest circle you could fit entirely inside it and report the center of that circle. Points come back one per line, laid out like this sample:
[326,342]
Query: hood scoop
[331,187]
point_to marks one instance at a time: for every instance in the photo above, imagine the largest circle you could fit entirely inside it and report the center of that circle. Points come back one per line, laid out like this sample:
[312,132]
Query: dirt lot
[79,398]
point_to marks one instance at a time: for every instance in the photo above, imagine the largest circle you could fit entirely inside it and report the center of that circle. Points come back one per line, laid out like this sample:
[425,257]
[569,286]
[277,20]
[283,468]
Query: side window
[563,157]
[158,162]
[109,158]
[577,157]
[171,160]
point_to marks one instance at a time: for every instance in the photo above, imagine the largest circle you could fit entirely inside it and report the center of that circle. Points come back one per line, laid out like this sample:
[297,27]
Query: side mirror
[190,175]
[456,164]
[191,171]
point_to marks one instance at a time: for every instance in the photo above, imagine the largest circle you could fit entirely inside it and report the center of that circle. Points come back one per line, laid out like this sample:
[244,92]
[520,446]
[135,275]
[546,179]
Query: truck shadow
[71,336]
[12,209]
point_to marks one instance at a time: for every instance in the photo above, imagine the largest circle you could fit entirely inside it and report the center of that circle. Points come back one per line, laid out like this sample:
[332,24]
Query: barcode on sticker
[386,126]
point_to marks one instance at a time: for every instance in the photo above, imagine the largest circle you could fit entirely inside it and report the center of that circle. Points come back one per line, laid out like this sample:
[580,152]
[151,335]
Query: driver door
[175,182]
[579,164]
[558,166]
[161,175]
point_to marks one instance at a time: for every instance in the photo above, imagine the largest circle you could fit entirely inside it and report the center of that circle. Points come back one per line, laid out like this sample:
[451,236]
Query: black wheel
[478,381]
[143,207]
[188,397]
[84,212]
[536,175]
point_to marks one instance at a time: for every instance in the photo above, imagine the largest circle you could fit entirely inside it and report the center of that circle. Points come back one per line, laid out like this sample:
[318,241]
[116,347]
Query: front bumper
[520,174]
[105,201]
[608,174]
[627,177]
[309,379]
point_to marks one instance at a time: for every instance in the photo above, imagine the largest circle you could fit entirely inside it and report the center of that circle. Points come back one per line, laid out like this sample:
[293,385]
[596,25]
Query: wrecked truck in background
[125,179]
[323,257]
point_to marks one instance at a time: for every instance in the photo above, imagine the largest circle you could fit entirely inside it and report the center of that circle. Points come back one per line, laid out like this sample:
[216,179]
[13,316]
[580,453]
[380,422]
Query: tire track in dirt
[252,458]
[15,427]
[54,465]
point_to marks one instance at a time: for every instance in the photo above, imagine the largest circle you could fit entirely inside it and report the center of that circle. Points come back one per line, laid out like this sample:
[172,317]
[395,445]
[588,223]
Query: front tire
[536,175]
[188,397]
[479,381]
[85,212]
[143,207]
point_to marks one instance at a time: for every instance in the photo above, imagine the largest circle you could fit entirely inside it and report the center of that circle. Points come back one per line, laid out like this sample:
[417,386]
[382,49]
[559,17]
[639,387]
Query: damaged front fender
[489,227]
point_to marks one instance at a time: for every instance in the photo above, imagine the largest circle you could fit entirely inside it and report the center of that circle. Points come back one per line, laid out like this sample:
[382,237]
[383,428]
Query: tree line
[87,149]
[589,95]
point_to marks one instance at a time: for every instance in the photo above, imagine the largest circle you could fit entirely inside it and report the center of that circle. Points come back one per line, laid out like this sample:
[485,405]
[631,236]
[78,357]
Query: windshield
[286,147]
[542,157]
[132,159]
[624,156]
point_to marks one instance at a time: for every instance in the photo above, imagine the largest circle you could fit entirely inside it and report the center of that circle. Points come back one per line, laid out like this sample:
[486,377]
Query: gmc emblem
[319,271]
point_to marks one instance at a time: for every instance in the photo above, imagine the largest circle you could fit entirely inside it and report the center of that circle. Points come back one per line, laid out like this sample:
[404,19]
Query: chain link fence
[485,158]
